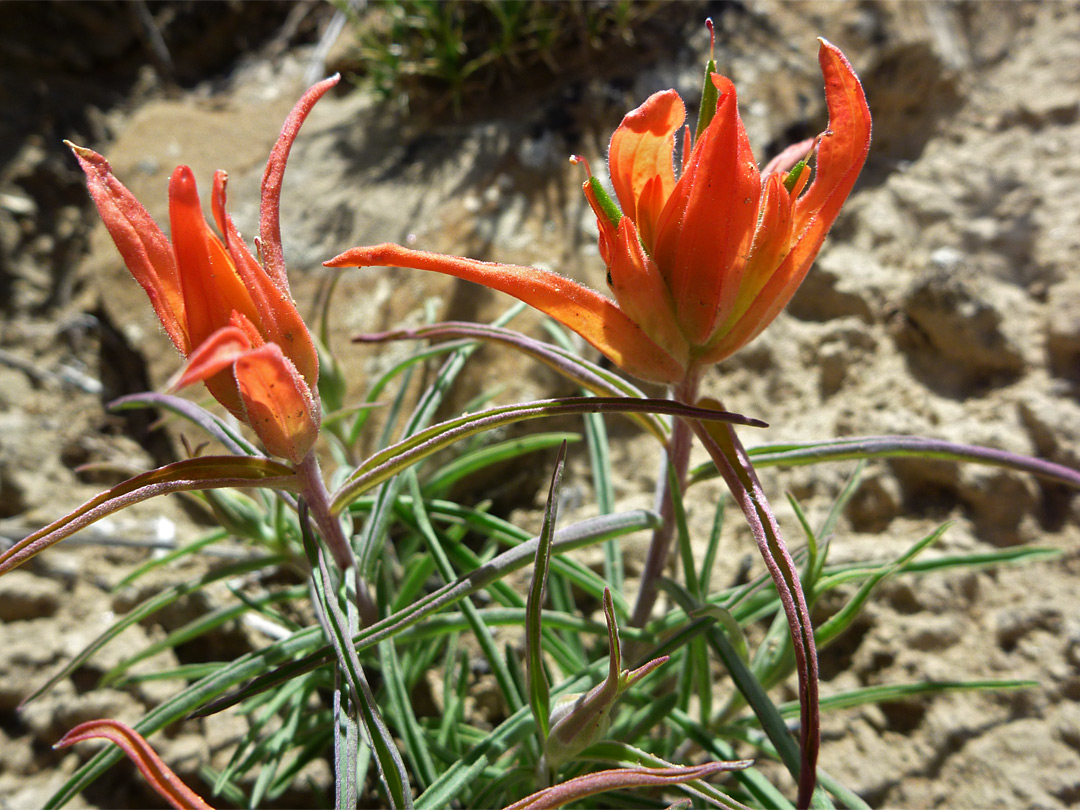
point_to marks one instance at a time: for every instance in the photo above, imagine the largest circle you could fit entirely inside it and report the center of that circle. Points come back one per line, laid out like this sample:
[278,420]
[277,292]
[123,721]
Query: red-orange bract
[230,316]
[698,264]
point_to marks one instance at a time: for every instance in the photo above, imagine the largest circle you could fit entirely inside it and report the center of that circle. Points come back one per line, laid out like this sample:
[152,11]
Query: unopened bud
[578,721]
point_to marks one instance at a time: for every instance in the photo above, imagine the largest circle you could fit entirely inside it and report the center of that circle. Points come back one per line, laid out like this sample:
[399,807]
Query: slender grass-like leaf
[682,535]
[387,757]
[539,691]
[149,607]
[579,575]
[891,692]
[248,752]
[586,374]
[839,622]
[760,788]
[206,472]
[514,696]
[712,548]
[373,536]
[215,536]
[214,426]
[596,437]
[199,627]
[867,447]
[731,459]
[454,622]
[747,684]
[414,745]
[618,778]
[585,533]
[184,672]
[468,463]
[621,752]
[387,463]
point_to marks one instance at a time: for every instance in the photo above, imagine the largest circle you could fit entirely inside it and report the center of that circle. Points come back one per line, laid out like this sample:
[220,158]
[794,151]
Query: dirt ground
[946,303]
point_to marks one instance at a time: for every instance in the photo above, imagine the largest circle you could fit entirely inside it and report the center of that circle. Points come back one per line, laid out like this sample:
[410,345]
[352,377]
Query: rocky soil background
[946,303]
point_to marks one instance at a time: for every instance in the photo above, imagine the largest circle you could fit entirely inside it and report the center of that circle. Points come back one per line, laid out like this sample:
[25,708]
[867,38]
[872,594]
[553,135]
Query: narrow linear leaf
[387,463]
[619,779]
[148,608]
[587,532]
[539,690]
[214,426]
[207,472]
[586,374]
[469,463]
[391,768]
[866,447]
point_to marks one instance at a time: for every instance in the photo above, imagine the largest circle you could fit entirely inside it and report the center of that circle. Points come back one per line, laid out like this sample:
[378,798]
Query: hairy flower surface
[231,316]
[699,263]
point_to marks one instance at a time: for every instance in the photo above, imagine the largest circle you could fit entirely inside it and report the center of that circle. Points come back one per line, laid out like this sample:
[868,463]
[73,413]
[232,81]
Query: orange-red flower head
[230,316]
[700,262]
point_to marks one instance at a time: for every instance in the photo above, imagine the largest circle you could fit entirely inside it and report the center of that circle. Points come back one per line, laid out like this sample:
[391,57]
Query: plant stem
[678,454]
[734,465]
[313,491]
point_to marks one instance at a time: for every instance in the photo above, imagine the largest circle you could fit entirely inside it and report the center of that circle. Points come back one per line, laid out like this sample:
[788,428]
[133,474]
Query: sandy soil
[946,303]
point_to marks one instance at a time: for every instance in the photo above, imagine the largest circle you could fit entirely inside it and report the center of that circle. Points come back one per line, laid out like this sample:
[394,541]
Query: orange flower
[698,265]
[230,316]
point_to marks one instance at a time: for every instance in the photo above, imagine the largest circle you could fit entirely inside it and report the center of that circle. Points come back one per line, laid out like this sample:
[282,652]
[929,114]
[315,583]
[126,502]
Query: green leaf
[207,472]
[387,463]
[561,359]
[866,447]
[846,615]
[539,692]
[392,772]
[468,463]
[587,532]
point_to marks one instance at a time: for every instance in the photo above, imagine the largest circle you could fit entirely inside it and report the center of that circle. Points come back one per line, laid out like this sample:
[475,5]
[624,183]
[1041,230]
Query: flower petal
[596,318]
[771,244]
[641,293]
[211,286]
[841,155]
[213,356]
[640,150]
[279,321]
[841,152]
[278,403]
[706,228]
[270,210]
[142,244]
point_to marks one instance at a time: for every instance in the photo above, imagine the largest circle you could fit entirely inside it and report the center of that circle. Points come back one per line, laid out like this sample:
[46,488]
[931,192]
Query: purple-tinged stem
[313,491]
[678,454]
[734,465]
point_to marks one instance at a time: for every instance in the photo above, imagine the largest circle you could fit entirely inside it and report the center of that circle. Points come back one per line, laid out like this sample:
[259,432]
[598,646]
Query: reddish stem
[734,465]
[313,491]
[678,453]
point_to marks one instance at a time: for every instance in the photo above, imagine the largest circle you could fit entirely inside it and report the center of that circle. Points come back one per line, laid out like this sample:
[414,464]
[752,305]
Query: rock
[955,336]
[25,596]
[1063,330]
[875,503]
[1016,623]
